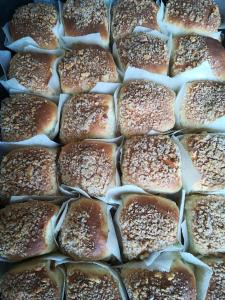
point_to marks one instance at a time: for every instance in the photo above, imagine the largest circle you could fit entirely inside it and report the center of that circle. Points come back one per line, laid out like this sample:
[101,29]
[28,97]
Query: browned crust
[216,54]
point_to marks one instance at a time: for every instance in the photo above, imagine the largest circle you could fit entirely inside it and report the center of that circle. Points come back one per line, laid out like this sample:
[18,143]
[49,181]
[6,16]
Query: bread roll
[146,223]
[185,16]
[205,217]
[127,14]
[86,17]
[84,66]
[33,279]
[35,20]
[23,116]
[143,51]
[144,106]
[29,171]
[89,165]
[88,116]
[207,152]
[152,163]
[26,229]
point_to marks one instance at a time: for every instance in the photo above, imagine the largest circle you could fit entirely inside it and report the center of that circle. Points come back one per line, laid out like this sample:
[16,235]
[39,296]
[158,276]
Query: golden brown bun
[33,71]
[24,116]
[91,281]
[29,171]
[152,163]
[85,17]
[137,109]
[205,219]
[84,66]
[200,16]
[93,166]
[87,116]
[33,279]
[208,156]
[127,14]
[35,20]
[84,232]
[158,285]
[26,229]
[147,223]
[190,51]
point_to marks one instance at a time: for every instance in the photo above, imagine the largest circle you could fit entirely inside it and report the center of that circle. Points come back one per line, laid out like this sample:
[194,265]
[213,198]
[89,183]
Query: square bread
[88,116]
[205,217]
[127,14]
[143,51]
[29,171]
[23,116]
[84,66]
[146,223]
[144,106]
[207,152]
[89,165]
[35,20]
[26,229]
[152,163]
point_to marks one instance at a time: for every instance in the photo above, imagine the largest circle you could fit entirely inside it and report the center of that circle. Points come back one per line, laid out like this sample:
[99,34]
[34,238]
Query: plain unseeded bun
[217,282]
[178,283]
[138,110]
[207,152]
[29,171]
[89,165]
[205,217]
[143,51]
[86,17]
[35,20]
[26,229]
[92,281]
[203,102]
[84,66]
[146,223]
[33,71]
[88,116]
[152,163]
[84,232]
[23,116]
[186,16]
[190,51]
[33,279]
[127,14]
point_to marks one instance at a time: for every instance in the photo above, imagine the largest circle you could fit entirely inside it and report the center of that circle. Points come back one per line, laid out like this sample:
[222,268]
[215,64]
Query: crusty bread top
[90,281]
[28,171]
[199,16]
[84,232]
[23,229]
[127,14]
[143,51]
[37,21]
[139,112]
[24,116]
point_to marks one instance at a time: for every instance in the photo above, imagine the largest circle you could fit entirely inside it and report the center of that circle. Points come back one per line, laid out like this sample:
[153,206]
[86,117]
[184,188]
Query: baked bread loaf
[127,14]
[26,229]
[35,20]
[89,165]
[29,171]
[88,116]
[84,66]
[205,217]
[23,116]
[143,51]
[34,279]
[152,163]
[146,224]
[144,106]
